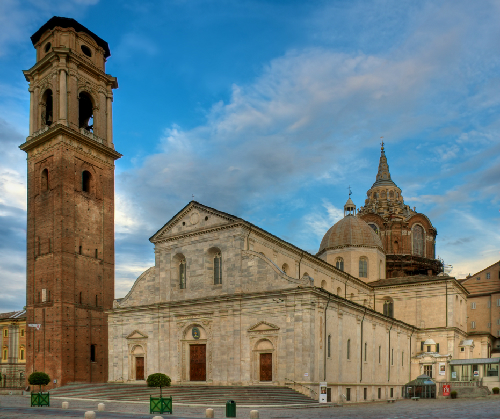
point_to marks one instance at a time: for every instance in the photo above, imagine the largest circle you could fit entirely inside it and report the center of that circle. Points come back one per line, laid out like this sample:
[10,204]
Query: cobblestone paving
[14,407]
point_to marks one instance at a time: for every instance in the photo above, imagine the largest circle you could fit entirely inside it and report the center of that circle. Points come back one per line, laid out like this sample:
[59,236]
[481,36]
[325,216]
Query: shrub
[158,380]
[496,390]
[453,394]
[39,379]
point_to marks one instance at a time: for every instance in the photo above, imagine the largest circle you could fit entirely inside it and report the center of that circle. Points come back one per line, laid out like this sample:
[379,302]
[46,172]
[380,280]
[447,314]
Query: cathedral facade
[229,303]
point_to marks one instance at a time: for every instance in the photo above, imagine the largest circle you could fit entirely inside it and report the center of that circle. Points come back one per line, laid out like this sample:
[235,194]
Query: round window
[86,51]
[47,46]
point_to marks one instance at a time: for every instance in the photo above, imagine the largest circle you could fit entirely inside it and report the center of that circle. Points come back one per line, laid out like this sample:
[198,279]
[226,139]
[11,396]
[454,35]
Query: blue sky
[269,110]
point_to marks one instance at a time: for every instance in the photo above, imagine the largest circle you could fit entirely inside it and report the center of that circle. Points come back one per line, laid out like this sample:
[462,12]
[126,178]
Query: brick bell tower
[70,232]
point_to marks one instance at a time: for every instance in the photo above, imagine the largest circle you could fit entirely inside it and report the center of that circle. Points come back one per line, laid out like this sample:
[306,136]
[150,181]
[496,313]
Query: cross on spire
[382,143]
[350,192]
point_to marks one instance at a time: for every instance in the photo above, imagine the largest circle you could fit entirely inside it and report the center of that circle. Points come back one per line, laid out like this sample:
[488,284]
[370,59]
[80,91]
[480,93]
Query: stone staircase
[187,394]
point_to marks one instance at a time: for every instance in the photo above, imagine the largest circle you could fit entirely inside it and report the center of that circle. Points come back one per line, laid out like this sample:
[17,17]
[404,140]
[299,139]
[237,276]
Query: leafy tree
[39,379]
[158,380]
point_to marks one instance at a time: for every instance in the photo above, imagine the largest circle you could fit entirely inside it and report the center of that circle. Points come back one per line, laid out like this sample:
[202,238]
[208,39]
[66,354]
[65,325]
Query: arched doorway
[138,357]
[264,351]
[195,354]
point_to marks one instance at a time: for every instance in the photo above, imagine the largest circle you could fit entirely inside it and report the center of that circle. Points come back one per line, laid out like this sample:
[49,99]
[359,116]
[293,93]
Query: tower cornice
[89,139]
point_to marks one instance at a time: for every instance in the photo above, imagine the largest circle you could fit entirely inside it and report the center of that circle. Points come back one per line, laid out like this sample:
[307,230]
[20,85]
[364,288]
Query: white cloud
[319,222]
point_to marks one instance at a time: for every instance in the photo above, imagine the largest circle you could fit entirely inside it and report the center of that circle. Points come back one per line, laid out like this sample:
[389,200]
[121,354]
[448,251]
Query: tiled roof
[13,315]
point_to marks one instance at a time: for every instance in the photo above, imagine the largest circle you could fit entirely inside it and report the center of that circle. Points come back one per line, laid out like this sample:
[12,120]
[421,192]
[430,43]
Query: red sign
[446,389]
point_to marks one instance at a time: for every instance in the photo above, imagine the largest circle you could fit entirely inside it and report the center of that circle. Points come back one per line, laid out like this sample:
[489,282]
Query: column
[32,109]
[63,98]
[109,120]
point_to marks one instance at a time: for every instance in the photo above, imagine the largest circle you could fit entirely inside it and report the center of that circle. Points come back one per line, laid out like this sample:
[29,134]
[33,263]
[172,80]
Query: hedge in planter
[39,379]
[159,404]
[453,394]
[495,390]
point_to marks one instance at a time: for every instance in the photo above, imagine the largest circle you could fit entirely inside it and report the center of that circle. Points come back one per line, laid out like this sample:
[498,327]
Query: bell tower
[70,231]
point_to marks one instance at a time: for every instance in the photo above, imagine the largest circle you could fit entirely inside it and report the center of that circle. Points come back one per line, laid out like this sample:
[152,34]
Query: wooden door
[266,367]
[198,362]
[139,368]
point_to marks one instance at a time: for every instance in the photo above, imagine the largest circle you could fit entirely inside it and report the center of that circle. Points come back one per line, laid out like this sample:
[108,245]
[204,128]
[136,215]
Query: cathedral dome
[350,231]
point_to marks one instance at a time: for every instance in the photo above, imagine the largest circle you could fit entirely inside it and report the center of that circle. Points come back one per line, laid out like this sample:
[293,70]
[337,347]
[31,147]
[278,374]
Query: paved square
[14,407]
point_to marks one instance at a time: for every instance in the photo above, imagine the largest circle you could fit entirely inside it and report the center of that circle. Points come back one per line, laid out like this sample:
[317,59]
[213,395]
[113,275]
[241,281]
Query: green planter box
[160,405]
[40,399]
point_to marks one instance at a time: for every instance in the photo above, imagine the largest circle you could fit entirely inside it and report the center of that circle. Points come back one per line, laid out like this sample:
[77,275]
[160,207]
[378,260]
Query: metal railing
[302,385]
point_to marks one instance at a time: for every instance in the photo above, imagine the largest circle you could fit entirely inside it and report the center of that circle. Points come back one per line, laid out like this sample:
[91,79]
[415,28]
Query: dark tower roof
[66,22]
[383,175]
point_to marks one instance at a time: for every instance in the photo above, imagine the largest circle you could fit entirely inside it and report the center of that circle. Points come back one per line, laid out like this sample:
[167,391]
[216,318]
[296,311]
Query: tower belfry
[70,231]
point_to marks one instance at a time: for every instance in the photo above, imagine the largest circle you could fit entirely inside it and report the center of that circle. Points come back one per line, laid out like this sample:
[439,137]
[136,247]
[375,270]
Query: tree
[39,379]
[158,380]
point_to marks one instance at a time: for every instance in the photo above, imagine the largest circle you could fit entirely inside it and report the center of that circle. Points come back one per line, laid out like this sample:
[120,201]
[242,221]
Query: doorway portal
[266,367]
[139,368]
[198,362]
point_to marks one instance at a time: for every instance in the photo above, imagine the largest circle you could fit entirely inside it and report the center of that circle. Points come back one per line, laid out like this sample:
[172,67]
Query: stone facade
[70,231]
[272,300]
[13,349]
[484,302]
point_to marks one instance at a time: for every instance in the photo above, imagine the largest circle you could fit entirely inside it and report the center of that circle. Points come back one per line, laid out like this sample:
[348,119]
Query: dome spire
[383,175]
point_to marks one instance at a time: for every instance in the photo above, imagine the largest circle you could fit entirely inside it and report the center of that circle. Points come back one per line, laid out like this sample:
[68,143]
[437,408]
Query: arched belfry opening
[85,112]
[47,108]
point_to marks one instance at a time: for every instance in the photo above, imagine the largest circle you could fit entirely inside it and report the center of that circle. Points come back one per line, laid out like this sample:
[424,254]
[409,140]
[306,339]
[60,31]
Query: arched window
[217,269]
[418,240]
[339,264]
[323,284]
[85,112]
[363,267]
[47,108]
[44,180]
[388,308]
[366,349]
[374,227]
[305,275]
[86,181]
[21,353]
[339,291]
[284,268]
[348,348]
[391,195]
[352,296]
[5,353]
[182,274]
[329,346]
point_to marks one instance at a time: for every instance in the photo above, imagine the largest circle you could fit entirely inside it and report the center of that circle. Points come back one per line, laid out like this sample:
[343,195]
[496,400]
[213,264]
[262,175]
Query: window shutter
[437,347]
[422,346]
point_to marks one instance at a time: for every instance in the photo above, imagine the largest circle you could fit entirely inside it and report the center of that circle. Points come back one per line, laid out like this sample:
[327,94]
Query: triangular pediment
[263,327]
[193,217]
[137,335]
